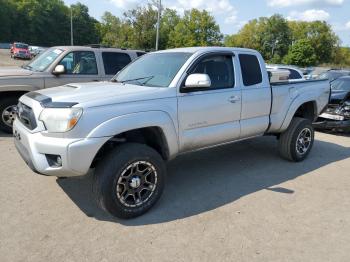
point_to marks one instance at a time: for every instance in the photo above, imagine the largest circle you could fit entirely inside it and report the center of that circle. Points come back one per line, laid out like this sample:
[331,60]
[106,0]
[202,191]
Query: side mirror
[59,69]
[194,81]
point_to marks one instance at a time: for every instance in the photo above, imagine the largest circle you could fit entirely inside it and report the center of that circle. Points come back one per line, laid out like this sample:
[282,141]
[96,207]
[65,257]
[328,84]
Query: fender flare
[298,101]
[132,121]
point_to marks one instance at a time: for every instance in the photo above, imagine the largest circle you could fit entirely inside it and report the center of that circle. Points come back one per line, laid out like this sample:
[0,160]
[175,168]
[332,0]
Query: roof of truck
[85,48]
[209,48]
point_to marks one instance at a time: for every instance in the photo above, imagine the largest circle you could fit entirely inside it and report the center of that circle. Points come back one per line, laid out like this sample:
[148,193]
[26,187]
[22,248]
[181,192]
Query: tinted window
[341,84]
[251,72]
[220,70]
[80,63]
[22,46]
[331,75]
[294,74]
[140,53]
[114,62]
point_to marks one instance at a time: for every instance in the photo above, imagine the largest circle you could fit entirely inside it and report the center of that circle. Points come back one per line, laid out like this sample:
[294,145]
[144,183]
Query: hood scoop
[47,102]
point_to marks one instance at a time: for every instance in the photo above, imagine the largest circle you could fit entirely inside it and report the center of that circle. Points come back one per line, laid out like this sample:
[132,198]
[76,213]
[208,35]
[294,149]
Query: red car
[20,50]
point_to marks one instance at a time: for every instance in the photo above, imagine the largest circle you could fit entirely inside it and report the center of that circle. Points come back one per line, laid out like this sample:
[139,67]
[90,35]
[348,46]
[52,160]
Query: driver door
[80,66]
[211,115]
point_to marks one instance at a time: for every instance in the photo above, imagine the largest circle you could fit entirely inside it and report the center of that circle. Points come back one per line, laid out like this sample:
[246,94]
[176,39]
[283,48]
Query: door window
[80,63]
[114,62]
[220,70]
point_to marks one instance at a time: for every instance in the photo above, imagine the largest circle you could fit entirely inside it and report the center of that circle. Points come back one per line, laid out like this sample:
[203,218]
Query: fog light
[54,160]
[59,161]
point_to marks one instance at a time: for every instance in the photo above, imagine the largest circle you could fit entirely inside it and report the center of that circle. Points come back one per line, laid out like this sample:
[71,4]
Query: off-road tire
[111,168]
[288,139]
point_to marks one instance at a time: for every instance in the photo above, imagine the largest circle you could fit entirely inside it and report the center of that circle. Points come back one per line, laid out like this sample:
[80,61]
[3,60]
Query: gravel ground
[6,60]
[239,202]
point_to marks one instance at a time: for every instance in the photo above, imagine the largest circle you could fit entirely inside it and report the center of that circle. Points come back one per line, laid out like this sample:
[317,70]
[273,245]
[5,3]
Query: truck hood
[98,93]
[14,71]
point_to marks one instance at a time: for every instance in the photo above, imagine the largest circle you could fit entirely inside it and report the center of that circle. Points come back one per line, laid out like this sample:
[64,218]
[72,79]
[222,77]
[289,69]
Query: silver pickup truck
[58,66]
[161,105]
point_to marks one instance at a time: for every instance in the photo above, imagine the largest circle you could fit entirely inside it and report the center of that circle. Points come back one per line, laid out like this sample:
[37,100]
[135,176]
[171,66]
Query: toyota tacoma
[161,105]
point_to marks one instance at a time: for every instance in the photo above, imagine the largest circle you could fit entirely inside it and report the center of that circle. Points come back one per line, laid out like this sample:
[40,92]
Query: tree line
[47,23]
[291,42]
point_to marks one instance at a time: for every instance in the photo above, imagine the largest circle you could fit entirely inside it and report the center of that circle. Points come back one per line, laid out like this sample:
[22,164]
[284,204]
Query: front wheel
[7,113]
[296,142]
[129,180]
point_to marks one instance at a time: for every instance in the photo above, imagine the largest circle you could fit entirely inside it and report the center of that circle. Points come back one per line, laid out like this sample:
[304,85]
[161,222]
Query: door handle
[234,99]
[95,80]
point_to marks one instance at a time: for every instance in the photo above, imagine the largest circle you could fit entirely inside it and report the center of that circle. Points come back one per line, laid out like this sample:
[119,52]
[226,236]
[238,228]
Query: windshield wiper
[148,78]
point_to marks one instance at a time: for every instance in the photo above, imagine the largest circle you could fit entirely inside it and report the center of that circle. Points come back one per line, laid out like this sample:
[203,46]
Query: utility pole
[274,47]
[158,22]
[71,26]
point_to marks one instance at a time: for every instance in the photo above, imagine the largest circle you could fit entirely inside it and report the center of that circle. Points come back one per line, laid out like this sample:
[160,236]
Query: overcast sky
[232,14]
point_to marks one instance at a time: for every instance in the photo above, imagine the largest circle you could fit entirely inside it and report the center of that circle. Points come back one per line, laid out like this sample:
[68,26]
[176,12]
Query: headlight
[59,120]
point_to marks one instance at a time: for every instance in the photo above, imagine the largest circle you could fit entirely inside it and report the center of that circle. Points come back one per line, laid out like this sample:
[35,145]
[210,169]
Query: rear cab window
[251,70]
[113,62]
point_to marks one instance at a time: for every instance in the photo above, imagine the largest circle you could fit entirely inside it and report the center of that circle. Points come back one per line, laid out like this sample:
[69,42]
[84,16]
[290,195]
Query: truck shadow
[2,134]
[335,133]
[206,180]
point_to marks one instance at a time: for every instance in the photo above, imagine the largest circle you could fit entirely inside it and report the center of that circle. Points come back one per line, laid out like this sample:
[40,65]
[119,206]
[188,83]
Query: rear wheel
[7,113]
[129,180]
[296,142]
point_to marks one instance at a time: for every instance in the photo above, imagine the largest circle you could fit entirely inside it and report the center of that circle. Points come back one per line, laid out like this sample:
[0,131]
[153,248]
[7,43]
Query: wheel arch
[152,136]
[155,129]
[304,109]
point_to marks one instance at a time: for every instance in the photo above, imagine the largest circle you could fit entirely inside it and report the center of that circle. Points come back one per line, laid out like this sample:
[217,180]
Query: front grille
[26,115]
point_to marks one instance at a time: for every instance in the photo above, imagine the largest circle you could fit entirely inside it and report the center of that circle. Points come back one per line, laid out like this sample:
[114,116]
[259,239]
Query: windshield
[42,62]
[155,69]
[21,46]
[331,75]
[341,84]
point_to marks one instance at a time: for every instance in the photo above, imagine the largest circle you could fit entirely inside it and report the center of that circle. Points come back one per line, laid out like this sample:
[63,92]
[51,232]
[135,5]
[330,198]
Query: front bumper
[76,154]
[19,55]
[332,124]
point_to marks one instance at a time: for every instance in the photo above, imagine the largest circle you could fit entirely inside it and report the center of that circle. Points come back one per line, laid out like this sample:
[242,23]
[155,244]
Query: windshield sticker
[57,51]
